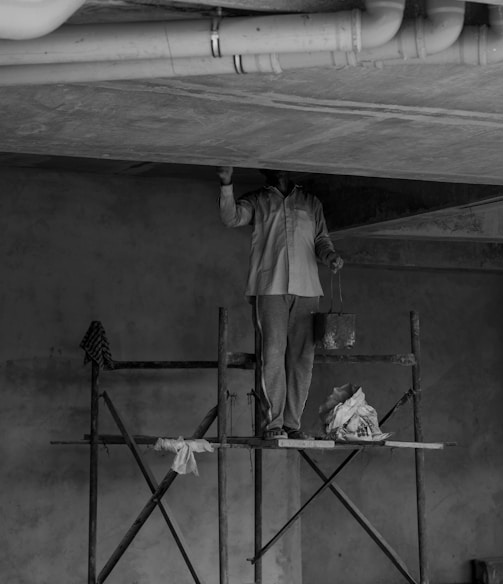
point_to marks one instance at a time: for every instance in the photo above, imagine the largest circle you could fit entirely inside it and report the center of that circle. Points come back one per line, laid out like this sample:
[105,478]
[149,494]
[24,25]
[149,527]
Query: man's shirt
[289,235]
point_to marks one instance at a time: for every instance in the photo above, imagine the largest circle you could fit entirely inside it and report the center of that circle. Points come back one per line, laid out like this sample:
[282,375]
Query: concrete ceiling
[420,122]
[433,125]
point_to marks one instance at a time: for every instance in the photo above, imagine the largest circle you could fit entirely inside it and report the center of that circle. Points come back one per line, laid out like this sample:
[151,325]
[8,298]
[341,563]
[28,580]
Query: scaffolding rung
[405,359]
[234,361]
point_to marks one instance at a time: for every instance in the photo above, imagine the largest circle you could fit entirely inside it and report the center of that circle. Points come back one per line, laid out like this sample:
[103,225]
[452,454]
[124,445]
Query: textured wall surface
[461,319]
[151,260]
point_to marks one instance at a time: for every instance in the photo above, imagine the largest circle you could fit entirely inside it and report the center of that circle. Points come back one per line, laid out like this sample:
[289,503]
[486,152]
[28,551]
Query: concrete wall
[151,260]
[461,317]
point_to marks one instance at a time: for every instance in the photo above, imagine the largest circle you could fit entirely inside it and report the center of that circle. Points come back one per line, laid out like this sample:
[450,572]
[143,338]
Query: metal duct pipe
[27,19]
[339,31]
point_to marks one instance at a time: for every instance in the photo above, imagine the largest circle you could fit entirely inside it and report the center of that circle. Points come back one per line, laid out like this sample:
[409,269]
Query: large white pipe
[476,45]
[440,29]
[423,36]
[339,31]
[27,19]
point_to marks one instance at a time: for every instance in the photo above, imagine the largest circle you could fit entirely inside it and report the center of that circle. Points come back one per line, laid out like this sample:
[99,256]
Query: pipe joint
[381,21]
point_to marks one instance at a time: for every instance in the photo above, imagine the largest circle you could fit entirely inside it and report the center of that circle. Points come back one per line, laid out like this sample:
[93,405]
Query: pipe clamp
[215,37]
[238,64]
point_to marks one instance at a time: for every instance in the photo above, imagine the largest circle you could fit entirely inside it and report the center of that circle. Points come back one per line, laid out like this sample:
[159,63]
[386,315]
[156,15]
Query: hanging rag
[185,461]
[96,347]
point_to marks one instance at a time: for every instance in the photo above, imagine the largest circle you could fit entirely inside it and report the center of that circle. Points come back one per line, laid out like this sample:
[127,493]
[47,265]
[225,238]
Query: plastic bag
[347,416]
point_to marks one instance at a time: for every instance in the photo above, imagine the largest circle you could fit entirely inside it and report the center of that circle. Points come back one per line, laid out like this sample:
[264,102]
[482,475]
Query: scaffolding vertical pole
[258,458]
[222,451]
[419,452]
[93,473]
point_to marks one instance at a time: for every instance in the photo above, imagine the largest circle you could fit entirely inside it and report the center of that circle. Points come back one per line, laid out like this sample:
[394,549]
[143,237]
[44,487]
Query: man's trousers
[284,324]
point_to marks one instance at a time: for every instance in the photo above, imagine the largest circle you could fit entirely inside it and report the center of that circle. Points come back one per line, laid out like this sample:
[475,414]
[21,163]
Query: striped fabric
[96,347]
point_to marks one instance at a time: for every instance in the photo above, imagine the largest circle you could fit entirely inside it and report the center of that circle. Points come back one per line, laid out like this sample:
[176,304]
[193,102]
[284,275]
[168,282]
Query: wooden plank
[418,445]
[312,444]
[250,442]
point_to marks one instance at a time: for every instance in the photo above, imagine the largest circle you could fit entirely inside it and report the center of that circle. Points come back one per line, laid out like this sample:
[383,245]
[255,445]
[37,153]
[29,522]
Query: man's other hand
[336,265]
[225,174]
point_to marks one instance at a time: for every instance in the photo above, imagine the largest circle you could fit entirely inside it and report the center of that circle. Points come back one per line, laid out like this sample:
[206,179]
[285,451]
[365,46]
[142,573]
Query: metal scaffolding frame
[223,442]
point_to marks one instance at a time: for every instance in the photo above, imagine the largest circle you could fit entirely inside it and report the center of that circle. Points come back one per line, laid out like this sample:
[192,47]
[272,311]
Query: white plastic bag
[347,416]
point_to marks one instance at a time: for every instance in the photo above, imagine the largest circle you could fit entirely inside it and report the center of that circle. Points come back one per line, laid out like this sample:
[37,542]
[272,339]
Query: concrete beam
[481,221]
[422,255]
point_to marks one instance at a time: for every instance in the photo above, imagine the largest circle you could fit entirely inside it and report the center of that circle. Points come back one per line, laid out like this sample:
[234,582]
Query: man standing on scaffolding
[289,236]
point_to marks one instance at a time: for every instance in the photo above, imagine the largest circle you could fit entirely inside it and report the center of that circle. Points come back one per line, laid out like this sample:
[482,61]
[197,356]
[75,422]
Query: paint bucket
[334,330]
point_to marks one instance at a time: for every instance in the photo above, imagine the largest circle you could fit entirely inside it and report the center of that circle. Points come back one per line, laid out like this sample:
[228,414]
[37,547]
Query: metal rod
[258,460]
[419,454]
[152,503]
[222,452]
[153,485]
[93,473]
[325,485]
[406,359]
[362,520]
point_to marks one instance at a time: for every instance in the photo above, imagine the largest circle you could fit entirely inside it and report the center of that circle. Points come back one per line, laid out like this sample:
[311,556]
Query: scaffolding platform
[98,353]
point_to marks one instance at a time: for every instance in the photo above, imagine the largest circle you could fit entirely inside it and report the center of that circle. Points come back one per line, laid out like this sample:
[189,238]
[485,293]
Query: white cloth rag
[185,461]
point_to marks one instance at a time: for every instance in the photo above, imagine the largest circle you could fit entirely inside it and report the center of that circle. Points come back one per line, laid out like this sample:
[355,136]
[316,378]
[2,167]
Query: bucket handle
[332,291]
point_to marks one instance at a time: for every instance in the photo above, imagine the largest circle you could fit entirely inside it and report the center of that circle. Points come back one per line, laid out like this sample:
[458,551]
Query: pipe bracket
[238,64]
[215,37]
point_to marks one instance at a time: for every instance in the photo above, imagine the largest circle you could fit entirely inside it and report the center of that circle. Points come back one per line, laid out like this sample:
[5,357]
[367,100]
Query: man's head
[276,178]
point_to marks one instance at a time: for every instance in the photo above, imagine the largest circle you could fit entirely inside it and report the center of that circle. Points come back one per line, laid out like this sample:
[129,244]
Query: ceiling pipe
[28,19]
[351,30]
[477,45]
[423,36]
[416,38]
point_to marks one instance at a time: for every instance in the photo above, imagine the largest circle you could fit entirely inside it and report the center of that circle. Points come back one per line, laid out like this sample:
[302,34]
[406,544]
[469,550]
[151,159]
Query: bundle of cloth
[346,416]
[184,461]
